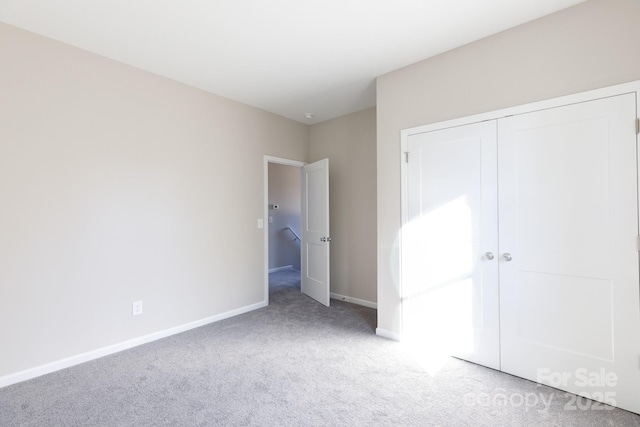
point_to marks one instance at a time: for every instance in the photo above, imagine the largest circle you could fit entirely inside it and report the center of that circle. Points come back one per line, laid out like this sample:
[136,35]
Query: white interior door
[315,231]
[450,244]
[569,300]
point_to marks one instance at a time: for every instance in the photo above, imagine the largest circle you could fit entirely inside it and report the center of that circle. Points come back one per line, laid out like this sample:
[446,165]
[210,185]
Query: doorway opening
[282,220]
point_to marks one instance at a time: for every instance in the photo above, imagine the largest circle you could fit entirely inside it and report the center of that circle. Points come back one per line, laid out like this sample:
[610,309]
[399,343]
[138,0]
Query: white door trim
[265,214]
[631,87]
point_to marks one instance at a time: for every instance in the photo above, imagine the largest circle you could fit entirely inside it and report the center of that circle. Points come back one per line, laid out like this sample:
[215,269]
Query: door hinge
[638,243]
[637,125]
[406,157]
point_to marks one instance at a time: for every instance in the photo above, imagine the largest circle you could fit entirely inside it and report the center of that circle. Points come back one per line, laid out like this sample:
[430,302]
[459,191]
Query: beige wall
[117,185]
[349,142]
[285,191]
[589,46]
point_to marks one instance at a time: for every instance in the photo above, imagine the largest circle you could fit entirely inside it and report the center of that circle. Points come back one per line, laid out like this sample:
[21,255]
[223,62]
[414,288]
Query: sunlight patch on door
[437,292]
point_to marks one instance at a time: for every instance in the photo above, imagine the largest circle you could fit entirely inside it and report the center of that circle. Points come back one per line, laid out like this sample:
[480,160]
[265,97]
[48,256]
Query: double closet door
[520,246]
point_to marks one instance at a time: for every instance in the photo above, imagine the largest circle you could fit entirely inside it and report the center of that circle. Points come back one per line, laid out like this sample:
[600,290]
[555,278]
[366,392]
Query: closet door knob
[506,257]
[489,255]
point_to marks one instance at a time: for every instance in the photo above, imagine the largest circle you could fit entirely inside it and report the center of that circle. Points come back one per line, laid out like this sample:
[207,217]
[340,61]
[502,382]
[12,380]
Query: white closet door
[450,284]
[569,300]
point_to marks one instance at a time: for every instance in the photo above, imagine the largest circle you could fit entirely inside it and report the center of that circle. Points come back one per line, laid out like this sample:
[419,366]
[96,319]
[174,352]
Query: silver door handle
[489,255]
[506,257]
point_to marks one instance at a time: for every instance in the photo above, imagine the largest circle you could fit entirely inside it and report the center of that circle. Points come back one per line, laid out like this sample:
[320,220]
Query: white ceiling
[289,57]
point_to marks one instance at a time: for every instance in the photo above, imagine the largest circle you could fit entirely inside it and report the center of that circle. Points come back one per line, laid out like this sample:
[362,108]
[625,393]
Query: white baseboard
[286,267]
[125,345]
[352,300]
[388,334]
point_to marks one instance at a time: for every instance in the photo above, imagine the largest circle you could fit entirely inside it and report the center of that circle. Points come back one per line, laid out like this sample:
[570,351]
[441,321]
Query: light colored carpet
[294,363]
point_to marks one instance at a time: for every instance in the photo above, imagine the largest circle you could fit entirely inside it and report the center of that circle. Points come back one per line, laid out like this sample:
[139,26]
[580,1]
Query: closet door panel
[450,286]
[569,300]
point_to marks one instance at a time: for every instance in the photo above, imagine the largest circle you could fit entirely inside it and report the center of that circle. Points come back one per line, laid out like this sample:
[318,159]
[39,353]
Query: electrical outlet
[137,308]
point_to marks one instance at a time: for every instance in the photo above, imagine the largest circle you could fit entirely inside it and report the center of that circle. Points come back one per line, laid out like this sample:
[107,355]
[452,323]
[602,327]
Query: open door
[315,231]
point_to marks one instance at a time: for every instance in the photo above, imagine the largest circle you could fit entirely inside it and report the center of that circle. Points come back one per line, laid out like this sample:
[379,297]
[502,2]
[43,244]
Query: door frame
[625,88]
[265,206]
